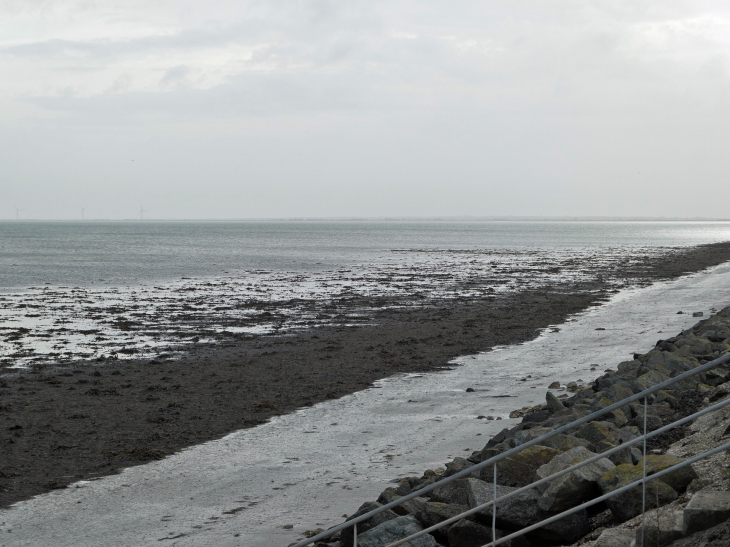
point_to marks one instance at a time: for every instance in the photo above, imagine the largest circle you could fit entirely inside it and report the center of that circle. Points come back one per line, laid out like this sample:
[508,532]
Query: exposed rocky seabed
[47,325]
[69,422]
[690,506]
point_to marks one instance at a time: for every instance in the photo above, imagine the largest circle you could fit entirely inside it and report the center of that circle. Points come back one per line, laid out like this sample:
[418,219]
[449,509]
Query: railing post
[354,538]
[494,507]
[643,482]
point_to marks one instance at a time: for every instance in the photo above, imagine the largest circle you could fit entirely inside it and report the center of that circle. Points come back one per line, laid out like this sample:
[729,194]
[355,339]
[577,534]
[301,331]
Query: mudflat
[71,421]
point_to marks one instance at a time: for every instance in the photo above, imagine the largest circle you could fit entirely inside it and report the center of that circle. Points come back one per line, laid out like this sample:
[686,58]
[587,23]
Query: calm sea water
[125,253]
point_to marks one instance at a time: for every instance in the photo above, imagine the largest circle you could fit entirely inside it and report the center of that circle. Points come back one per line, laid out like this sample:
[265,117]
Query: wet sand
[60,424]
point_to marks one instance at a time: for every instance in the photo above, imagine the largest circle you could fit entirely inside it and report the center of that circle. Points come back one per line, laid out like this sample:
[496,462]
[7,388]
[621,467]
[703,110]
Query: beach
[88,432]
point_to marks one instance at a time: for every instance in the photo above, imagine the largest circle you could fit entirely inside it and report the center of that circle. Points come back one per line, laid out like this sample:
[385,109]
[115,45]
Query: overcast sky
[323,108]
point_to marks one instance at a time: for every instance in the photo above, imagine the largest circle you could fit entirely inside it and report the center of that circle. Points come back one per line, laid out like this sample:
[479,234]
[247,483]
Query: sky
[325,108]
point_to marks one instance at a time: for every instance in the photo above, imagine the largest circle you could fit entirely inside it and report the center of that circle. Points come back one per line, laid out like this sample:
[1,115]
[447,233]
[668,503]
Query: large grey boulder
[597,431]
[393,530]
[679,479]
[384,516]
[565,442]
[466,533]
[525,435]
[627,505]
[433,513]
[650,379]
[519,469]
[454,492]
[661,527]
[480,492]
[628,433]
[705,510]
[458,465]
[614,537]
[619,392]
[553,403]
[575,487]
[523,510]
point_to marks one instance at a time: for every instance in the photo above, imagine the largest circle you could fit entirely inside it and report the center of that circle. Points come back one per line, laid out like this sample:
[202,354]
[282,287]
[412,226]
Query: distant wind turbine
[142,211]
[17,213]
[82,213]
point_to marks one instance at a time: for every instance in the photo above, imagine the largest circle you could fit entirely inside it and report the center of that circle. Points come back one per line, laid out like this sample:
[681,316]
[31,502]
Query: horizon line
[456,218]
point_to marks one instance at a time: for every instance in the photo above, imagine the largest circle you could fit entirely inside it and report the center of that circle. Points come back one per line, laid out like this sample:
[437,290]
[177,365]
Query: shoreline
[619,518]
[222,474]
[83,421]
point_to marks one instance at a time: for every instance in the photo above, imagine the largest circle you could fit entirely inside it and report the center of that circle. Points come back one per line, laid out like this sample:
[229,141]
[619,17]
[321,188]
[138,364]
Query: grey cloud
[500,107]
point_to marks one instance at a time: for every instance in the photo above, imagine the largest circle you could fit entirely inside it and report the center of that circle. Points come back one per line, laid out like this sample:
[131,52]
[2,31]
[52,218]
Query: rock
[572,387]
[619,392]
[717,536]
[595,432]
[388,495]
[719,393]
[628,433]
[661,527]
[698,314]
[697,485]
[433,513]
[602,446]
[554,385]
[466,533]
[675,364]
[575,487]
[565,417]
[503,436]
[622,457]
[616,417]
[529,434]
[456,466]
[648,380]
[656,366]
[454,492]
[423,483]
[393,530]
[694,344]
[403,488]
[536,416]
[346,536]
[614,537]
[627,505]
[412,506]
[716,376]
[678,479]
[627,367]
[480,492]
[523,510]
[553,403]
[565,442]
[489,452]
[653,421]
[600,403]
[518,469]
[470,390]
[665,396]
[705,510]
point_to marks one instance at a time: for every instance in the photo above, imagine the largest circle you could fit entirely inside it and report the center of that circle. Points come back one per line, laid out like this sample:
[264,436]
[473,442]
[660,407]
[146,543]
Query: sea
[267,486]
[121,290]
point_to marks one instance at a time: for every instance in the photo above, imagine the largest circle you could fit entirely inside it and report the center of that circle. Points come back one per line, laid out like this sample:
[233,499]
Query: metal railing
[493,461]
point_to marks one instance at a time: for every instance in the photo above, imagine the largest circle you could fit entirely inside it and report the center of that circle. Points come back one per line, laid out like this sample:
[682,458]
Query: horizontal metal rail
[466,472]
[559,474]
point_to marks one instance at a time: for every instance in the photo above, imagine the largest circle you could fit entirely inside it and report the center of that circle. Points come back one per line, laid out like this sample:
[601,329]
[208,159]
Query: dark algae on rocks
[684,506]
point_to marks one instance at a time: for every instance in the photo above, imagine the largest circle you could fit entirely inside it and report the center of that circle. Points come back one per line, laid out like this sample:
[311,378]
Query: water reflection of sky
[61,323]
